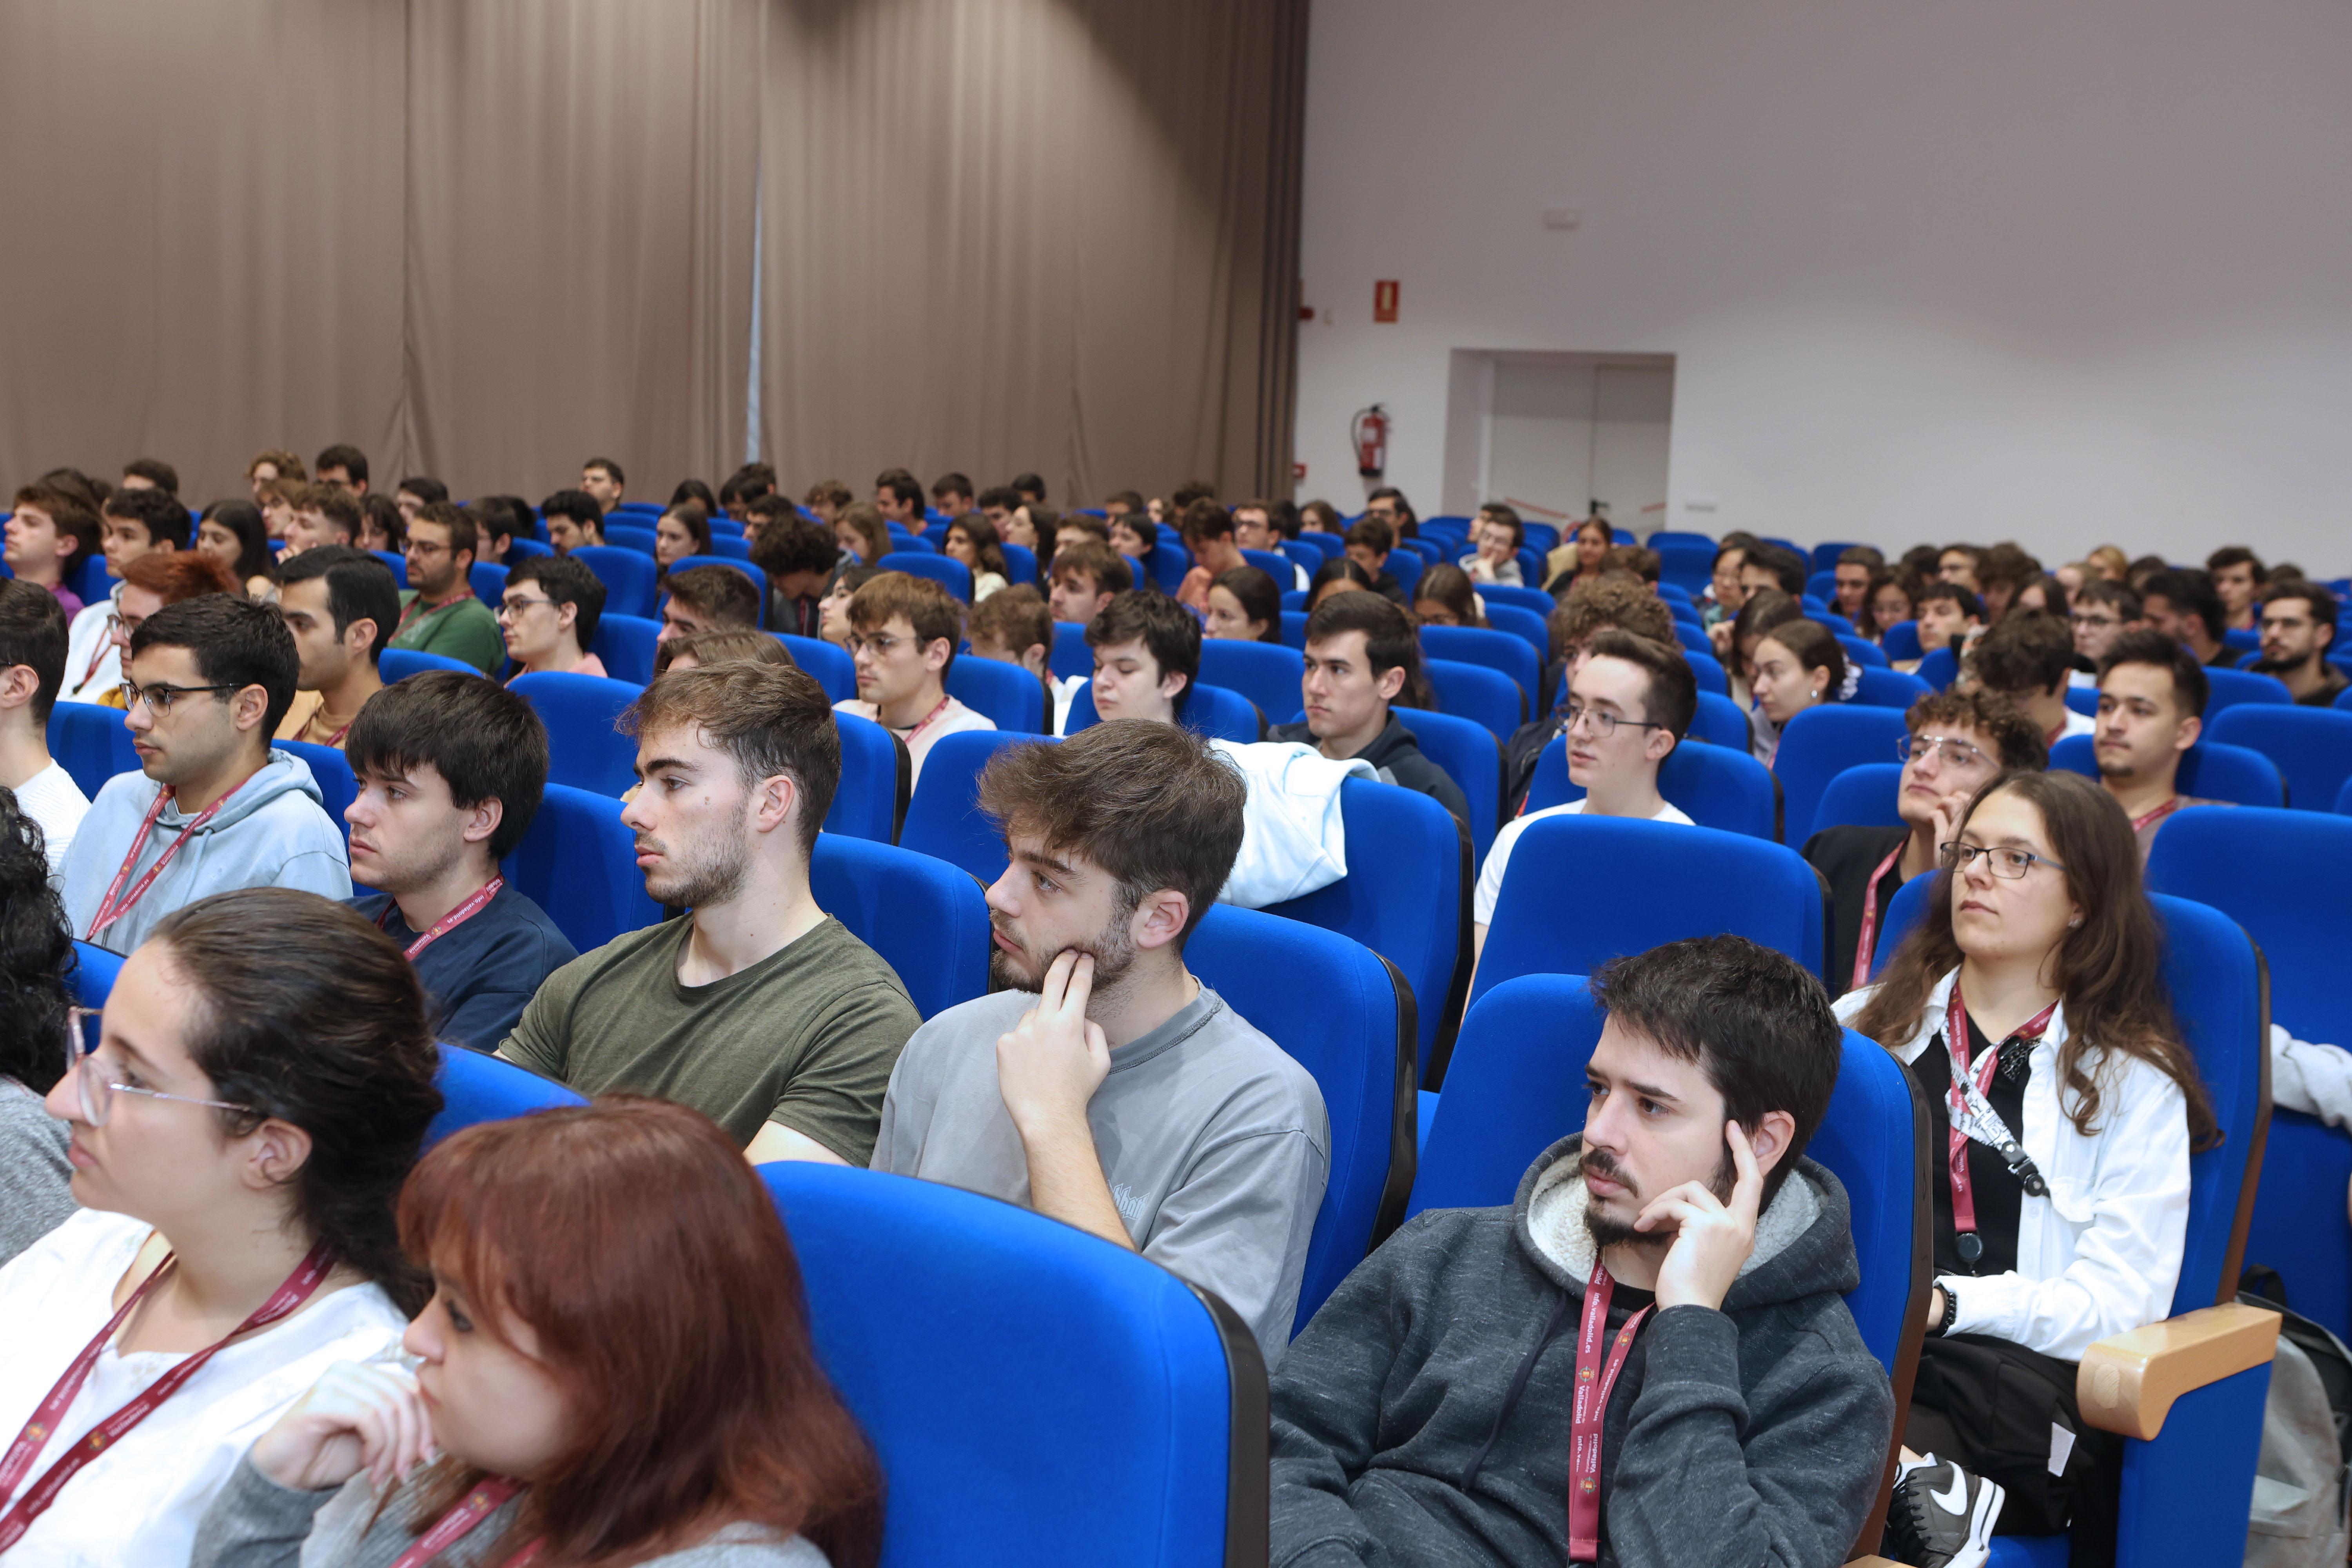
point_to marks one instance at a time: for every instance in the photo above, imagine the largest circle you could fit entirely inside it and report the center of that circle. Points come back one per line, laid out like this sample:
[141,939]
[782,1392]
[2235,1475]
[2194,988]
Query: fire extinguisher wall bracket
[1369,433]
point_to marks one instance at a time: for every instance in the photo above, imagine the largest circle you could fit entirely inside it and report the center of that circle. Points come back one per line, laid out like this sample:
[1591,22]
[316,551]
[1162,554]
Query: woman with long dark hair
[972,539]
[664,1406]
[260,1089]
[2030,1002]
[232,532]
[1246,604]
[36,955]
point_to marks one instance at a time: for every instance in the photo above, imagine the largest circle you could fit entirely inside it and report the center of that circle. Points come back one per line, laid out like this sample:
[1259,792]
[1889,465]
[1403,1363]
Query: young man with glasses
[341,603]
[548,615]
[439,613]
[1630,702]
[212,807]
[1959,742]
[903,635]
[2102,612]
[1495,535]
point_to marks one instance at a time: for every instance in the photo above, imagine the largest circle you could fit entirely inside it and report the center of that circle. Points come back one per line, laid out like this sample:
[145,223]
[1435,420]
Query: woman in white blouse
[2029,1003]
[260,1086]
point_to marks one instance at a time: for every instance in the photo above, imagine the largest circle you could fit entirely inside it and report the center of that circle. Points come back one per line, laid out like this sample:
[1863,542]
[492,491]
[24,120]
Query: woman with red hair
[602,1377]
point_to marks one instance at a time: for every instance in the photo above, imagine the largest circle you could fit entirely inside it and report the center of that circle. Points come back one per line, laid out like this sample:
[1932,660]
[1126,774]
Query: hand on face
[1049,1065]
[1713,1239]
[1193,593]
[358,1416]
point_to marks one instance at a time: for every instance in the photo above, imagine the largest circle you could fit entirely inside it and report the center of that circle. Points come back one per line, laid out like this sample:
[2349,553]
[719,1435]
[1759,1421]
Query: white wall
[2061,271]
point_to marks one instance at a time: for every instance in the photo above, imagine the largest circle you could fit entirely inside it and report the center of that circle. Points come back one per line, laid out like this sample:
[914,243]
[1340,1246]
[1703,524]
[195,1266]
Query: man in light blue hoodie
[212,807]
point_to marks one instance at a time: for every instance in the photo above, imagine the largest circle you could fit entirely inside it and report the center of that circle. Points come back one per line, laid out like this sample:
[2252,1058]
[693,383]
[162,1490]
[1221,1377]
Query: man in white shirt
[136,524]
[32,667]
[2026,658]
[1630,702]
[903,632]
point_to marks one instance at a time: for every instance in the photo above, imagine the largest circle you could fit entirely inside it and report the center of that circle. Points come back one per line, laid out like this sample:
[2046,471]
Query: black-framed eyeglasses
[1604,724]
[511,607]
[160,697]
[2010,865]
[424,547]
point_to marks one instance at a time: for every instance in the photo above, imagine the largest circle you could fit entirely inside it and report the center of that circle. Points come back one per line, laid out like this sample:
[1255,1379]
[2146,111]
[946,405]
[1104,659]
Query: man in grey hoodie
[213,808]
[1679,1264]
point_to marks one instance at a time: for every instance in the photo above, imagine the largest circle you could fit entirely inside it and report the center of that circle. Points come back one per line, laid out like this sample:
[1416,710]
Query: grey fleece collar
[1555,1219]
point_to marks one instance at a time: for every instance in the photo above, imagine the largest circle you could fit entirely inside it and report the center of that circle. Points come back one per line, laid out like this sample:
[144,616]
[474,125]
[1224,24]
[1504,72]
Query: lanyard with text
[2159,815]
[927,721]
[1867,943]
[298,1289]
[418,610]
[478,1503]
[1594,1379]
[1973,1116]
[448,922]
[109,909]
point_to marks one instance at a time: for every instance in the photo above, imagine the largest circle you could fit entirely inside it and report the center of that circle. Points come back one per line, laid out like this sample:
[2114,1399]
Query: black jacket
[1397,759]
[1422,1418]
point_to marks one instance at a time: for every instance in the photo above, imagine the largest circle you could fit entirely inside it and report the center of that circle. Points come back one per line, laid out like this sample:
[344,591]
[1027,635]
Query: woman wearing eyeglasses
[2030,1004]
[668,1409]
[259,1092]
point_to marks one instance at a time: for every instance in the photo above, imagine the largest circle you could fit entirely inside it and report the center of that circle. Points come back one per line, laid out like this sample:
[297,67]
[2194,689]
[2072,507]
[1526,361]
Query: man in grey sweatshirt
[1429,1414]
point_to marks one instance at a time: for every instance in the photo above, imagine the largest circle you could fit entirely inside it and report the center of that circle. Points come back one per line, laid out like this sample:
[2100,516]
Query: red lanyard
[928,720]
[105,645]
[2159,815]
[108,910]
[1594,1379]
[418,603]
[448,922]
[1867,943]
[1956,1040]
[298,1289]
[478,1505]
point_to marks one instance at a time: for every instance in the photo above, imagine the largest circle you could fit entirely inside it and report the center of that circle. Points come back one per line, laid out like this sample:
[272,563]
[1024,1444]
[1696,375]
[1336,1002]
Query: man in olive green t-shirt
[439,613]
[758,1009]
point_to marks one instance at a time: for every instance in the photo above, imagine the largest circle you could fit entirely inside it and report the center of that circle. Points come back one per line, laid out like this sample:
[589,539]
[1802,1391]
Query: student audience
[260,1089]
[1104,1085]
[2152,692]
[417,492]
[572,519]
[341,603]
[383,526]
[1891,602]
[900,495]
[1340,575]
[450,769]
[152,582]
[1016,628]
[1725,595]
[272,466]
[1957,742]
[1950,617]
[2298,627]
[150,474]
[36,956]
[2030,1002]
[1453,1403]
[213,808]
[707,599]
[137,523]
[32,667]
[2183,605]
[1363,659]
[756,1007]
[1857,567]
[1209,533]
[903,638]
[2027,657]
[833,624]
[440,612]
[859,530]
[1797,665]
[51,533]
[547,615]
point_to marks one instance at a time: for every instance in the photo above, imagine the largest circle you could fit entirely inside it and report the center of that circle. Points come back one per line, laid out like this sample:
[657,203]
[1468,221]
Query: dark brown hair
[1391,640]
[1816,647]
[2109,969]
[1672,699]
[725,595]
[2027,653]
[1594,604]
[2017,741]
[772,719]
[739,644]
[1015,619]
[932,612]
[486,743]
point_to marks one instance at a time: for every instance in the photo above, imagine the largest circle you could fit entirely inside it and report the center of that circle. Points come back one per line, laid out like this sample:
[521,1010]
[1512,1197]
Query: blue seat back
[1344,1014]
[876,782]
[1938,668]
[1301,554]
[1006,694]
[1071,656]
[1826,559]
[945,570]
[1888,689]
[1210,710]
[1294,629]
[2229,687]
[758,575]
[1274,563]
[1693,637]
[925,918]
[1404,896]
[1268,673]
[2311,747]
[1720,721]
[584,750]
[1405,566]
[627,575]
[1901,641]
[92,980]
[1516,1086]
[1861,797]
[981,1346]
[1534,600]
[1503,652]
[1861,650]
[828,663]
[579,863]
[399,663]
[337,787]
[1528,625]
[1675,596]
[626,644]
[1683,612]
[1666,881]
[396,564]
[943,818]
[489,580]
[628,536]
[89,579]
[1714,786]
[1707,671]
[90,741]
[521,547]
[478,1087]
[1819,742]
[2084,699]
[1472,758]
[1021,564]
[729,546]
[2208,769]
[1688,564]
[1474,692]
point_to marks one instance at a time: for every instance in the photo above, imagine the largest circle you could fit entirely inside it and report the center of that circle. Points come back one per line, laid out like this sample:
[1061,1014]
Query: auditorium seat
[1714,786]
[394,563]
[945,570]
[1405,896]
[579,862]
[583,748]
[89,740]
[1405,566]
[628,536]
[1824,560]
[478,1086]
[1021,564]
[925,918]
[876,782]
[627,575]
[1901,642]
[489,580]
[986,1351]
[92,978]
[1687,564]
[1268,673]
[1210,710]
[1306,557]
[1473,691]
[1859,650]
[1344,1014]
[1863,795]
[1534,600]
[2208,769]
[399,663]
[625,645]
[730,547]
[1888,689]
[2232,687]
[1528,625]
[1674,596]
[1938,668]
[337,787]
[1294,629]
[1581,891]
[1707,673]
[759,577]
[1071,656]
[943,817]
[1274,563]
[1693,637]
[1473,759]
[828,662]
[1819,742]
[1503,652]
[2311,747]
[1720,721]
[1006,694]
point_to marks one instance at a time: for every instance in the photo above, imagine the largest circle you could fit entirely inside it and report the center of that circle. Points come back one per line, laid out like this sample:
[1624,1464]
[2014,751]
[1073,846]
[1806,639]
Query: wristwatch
[1951,1309]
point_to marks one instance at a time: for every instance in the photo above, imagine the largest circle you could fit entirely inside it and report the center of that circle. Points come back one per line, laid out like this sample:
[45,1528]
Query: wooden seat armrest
[2127,1382]
[1874,1562]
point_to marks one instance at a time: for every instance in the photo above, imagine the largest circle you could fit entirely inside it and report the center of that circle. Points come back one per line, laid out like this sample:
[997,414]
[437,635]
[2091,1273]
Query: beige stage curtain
[1058,235]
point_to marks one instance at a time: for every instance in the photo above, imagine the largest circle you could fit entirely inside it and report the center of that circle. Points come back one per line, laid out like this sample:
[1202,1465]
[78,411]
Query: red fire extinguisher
[1369,431]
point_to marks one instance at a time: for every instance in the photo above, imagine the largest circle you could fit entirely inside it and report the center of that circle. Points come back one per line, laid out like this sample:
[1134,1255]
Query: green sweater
[463,628]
